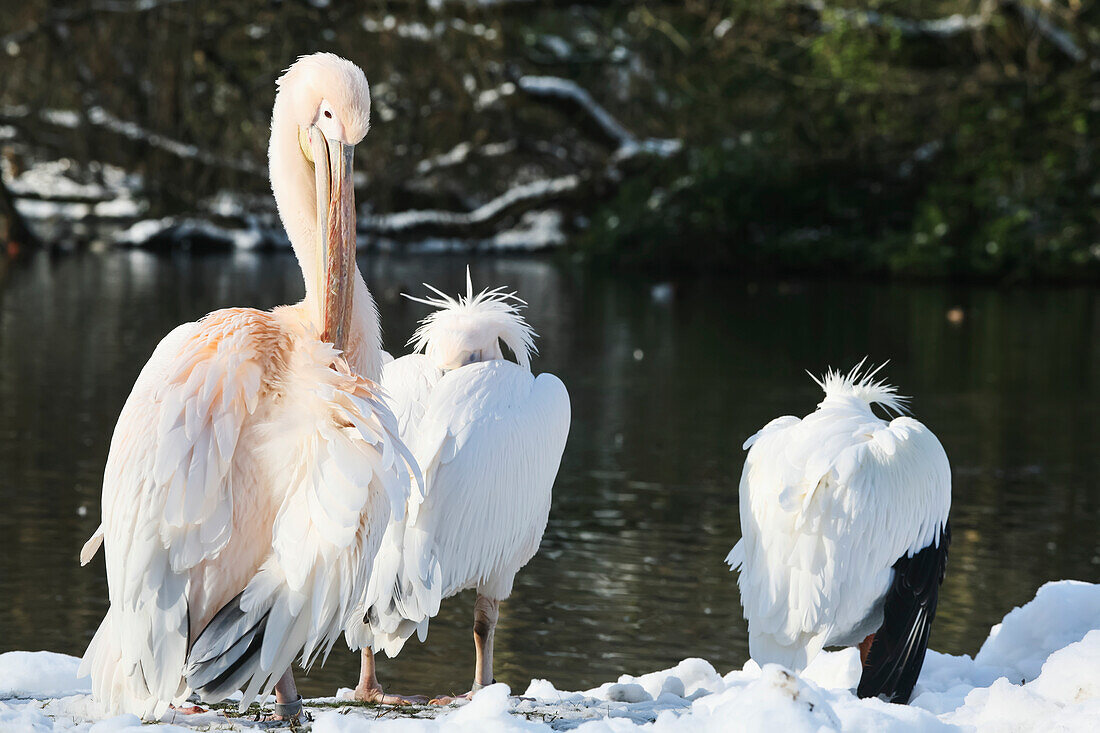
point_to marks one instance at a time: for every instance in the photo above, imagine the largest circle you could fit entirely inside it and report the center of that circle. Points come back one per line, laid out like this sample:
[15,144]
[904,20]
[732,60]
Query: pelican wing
[897,651]
[235,404]
[167,504]
[404,587]
[408,382]
[828,506]
[489,443]
[347,474]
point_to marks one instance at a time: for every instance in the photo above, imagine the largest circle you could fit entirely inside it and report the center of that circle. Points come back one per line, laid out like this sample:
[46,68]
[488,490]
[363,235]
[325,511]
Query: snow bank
[40,674]
[1021,643]
[1038,670]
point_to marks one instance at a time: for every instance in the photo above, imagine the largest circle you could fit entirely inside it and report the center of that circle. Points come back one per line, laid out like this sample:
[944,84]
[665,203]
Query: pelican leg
[370,690]
[865,648]
[486,612]
[288,703]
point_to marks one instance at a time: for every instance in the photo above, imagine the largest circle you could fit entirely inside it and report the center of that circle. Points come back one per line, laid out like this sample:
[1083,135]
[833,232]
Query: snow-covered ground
[1038,670]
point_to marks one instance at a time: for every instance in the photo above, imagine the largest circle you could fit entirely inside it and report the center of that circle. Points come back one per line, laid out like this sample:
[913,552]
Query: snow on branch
[101,118]
[175,230]
[628,145]
[940,27]
[460,153]
[956,24]
[527,195]
[1059,38]
[138,6]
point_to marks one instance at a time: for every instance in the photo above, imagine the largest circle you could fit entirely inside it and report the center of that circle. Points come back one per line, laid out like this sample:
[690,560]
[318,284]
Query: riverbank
[1038,669]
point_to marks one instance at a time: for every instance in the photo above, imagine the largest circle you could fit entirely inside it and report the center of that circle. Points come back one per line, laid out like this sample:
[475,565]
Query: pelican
[844,534]
[488,436]
[254,466]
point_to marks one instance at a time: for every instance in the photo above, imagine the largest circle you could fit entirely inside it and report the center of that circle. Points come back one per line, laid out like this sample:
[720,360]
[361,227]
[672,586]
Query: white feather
[828,504]
[202,434]
[488,438]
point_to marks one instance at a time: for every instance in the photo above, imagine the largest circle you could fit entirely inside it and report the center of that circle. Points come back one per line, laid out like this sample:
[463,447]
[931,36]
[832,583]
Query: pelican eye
[473,357]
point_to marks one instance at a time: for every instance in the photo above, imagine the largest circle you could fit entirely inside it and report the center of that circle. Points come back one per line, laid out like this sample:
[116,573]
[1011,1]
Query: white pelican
[252,470]
[844,535]
[488,436]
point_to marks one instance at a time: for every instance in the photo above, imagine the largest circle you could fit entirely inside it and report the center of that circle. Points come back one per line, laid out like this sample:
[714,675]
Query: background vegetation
[945,138]
[827,138]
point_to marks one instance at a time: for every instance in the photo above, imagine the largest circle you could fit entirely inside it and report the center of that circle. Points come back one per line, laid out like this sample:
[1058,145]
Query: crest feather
[490,311]
[860,383]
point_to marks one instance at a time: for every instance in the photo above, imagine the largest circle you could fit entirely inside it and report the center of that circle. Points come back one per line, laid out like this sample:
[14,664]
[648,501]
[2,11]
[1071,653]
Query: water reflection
[630,575]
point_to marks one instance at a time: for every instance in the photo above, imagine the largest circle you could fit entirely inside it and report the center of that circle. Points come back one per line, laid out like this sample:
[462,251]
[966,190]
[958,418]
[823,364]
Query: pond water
[630,576]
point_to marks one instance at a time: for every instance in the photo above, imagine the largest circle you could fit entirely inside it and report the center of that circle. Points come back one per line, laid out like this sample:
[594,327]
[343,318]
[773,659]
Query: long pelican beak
[332,167]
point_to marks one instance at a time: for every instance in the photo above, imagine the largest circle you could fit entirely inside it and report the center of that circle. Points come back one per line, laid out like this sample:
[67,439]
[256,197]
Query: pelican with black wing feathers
[844,524]
[255,467]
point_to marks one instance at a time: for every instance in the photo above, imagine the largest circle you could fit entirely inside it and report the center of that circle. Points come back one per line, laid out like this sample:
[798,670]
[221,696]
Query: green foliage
[731,207]
[966,155]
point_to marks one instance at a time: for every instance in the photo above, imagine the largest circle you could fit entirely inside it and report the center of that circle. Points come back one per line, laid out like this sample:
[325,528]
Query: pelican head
[470,328]
[324,101]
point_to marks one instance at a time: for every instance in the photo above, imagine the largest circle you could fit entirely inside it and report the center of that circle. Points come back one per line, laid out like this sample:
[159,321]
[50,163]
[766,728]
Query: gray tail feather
[214,671]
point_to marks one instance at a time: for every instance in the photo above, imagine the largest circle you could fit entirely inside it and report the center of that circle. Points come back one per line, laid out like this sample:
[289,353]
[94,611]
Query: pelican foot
[376,695]
[188,709]
[451,699]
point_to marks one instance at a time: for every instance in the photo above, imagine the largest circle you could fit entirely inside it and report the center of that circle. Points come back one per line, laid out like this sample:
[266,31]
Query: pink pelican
[489,437]
[255,466]
[844,535]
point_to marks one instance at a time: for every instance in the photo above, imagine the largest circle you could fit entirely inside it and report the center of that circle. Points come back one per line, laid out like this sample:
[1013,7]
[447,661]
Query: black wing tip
[899,646]
[213,674]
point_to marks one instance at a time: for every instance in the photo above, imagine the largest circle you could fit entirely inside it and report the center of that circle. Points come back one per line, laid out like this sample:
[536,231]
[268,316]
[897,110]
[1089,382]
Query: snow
[42,674]
[183,229]
[628,145]
[461,152]
[99,117]
[1038,669]
[938,27]
[421,32]
[1028,635]
[408,220]
[536,230]
[66,180]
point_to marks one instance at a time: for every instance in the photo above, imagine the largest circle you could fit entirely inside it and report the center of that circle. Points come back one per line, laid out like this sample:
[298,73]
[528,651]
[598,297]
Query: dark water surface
[630,576]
